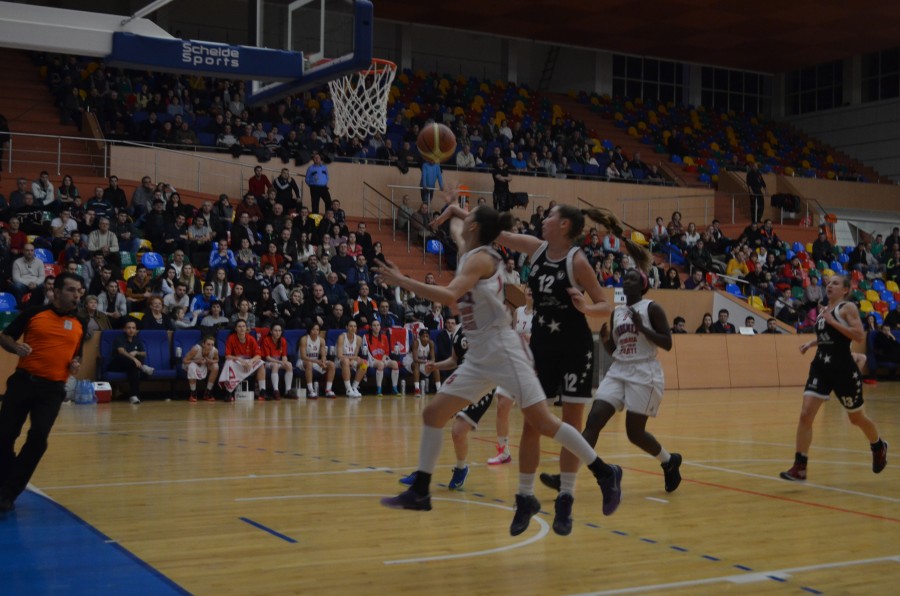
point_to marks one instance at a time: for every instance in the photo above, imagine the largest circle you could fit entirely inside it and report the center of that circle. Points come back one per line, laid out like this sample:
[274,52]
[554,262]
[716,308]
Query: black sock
[599,468]
[877,444]
[799,458]
[421,483]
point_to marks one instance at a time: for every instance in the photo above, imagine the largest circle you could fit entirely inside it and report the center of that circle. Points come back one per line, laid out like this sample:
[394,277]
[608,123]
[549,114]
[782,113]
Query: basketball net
[360,100]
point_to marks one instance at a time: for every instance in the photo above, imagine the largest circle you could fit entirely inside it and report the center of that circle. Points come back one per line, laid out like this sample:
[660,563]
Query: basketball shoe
[879,456]
[527,506]
[562,520]
[611,487]
[502,457]
[458,478]
[796,473]
[408,500]
[672,473]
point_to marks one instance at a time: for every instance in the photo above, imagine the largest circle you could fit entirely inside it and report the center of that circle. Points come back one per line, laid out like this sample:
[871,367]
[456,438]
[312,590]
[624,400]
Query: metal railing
[55,159]
[652,213]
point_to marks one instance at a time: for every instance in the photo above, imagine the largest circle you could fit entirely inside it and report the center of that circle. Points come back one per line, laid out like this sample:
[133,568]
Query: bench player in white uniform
[635,380]
[496,355]
[349,353]
[202,362]
[424,353]
[312,352]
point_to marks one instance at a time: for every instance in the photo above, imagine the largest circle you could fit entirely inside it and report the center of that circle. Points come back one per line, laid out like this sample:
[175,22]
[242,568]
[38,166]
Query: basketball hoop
[360,100]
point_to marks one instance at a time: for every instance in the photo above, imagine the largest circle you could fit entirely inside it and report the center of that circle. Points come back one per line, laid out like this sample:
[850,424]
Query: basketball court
[283,498]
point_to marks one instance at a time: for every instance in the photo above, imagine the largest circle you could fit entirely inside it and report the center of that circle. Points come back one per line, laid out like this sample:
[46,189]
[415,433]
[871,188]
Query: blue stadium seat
[106,343]
[153,260]
[44,255]
[159,355]
[878,285]
[184,339]
[734,289]
[434,247]
[7,302]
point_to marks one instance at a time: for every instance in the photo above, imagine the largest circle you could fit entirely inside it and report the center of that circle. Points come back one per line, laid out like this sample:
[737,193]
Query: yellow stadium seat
[146,244]
[872,296]
[827,273]
[809,247]
[639,238]
[129,272]
[756,302]
[865,306]
[891,286]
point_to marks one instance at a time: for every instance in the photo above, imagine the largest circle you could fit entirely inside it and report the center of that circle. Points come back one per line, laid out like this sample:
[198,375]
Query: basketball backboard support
[334,38]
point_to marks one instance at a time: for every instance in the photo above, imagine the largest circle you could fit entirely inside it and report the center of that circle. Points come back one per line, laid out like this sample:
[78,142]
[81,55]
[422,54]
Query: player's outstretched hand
[388,272]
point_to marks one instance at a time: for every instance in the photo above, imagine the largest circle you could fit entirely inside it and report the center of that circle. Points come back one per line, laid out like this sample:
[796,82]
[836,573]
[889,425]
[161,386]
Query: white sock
[328,386]
[460,464]
[438,385]
[348,385]
[262,385]
[356,385]
[572,440]
[503,442]
[526,484]
[192,385]
[416,384]
[663,456]
[430,448]
[567,482]
[288,380]
[379,378]
[209,386]
[275,380]
[395,376]
[309,387]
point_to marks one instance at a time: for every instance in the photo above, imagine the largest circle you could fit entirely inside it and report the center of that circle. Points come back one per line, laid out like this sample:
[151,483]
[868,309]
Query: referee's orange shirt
[55,339]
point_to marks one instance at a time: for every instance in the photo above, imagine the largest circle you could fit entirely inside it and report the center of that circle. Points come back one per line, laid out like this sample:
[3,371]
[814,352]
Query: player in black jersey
[561,340]
[833,370]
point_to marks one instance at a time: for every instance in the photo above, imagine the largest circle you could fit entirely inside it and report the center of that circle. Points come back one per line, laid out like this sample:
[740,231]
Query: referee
[49,353]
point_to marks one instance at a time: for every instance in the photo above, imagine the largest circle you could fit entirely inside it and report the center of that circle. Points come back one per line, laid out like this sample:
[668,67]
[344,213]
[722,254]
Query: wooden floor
[275,498]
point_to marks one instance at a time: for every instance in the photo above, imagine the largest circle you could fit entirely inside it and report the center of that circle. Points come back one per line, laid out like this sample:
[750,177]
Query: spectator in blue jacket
[317,180]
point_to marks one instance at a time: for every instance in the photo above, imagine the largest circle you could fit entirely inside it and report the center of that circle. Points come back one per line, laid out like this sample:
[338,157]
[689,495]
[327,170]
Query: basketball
[436,143]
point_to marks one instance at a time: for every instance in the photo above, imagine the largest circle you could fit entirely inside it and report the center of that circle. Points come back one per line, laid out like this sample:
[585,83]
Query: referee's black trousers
[41,398]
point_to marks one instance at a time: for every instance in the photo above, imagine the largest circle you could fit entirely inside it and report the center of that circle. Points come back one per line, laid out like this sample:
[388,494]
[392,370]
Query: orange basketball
[436,143]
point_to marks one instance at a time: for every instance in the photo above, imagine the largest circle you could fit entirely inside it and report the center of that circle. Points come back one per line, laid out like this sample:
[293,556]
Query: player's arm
[446,364]
[587,279]
[519,242]
[606,339]
[189,357]
[480,266]
[659,332]
[853,330]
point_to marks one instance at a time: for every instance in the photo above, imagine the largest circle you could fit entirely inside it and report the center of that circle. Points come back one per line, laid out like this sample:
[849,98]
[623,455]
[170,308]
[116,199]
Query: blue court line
[45,548]
[269,530]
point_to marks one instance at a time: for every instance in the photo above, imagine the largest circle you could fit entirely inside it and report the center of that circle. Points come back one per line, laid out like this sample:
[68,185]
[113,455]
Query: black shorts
[473,412]
[841,378]
[566,370]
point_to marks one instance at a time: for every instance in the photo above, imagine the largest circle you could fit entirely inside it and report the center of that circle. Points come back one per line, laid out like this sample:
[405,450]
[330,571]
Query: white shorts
[317,368]
[501,360]
[634,386]
[196,372]
[422,368]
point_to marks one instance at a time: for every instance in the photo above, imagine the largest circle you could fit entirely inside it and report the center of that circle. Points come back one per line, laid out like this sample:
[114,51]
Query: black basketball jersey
[460,345]
[555,317]
[832,345]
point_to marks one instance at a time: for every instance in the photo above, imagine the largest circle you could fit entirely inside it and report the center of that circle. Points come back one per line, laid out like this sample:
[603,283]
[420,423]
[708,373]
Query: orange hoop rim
[378,66]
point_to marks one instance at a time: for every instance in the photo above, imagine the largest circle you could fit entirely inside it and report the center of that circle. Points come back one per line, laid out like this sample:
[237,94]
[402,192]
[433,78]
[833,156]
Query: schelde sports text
[205,55]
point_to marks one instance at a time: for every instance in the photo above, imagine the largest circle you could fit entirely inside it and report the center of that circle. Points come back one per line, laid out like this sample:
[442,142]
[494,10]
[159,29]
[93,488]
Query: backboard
[334,37]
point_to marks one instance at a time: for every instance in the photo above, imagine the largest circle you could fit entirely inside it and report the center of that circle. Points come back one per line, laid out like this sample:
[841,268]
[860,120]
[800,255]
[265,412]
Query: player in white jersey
[635,380]
[423,353]
[349,350]
[313,360]
[202,362]
[496,354]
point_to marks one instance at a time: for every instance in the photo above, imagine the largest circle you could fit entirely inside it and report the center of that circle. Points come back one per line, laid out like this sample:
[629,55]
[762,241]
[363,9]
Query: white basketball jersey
[631,345]
[523,322]
[314,348]
[482,308]
[423,351]
[350,348]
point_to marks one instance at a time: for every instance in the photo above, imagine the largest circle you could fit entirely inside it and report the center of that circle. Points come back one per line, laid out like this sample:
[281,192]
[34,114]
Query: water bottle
[178,352]
[403,387]
[331,352]
[316,387]
[424,386]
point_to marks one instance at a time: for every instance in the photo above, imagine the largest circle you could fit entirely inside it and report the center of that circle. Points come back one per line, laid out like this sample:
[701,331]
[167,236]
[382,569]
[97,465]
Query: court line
[267,529]
[545,527]
[777,574]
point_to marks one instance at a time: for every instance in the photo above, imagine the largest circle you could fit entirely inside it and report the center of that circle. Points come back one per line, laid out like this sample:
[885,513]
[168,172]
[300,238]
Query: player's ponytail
[608,220]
